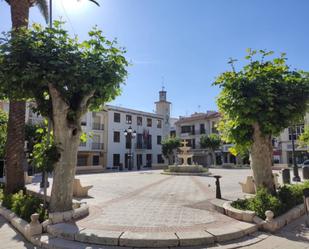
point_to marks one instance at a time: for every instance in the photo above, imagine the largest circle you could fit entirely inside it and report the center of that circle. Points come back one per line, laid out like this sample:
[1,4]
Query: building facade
[283,144]
[192,128]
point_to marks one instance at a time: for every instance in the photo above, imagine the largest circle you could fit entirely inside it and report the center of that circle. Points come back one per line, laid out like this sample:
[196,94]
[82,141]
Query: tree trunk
[261,160]
[67,139]
[15,147]
[16,124]
[213,154]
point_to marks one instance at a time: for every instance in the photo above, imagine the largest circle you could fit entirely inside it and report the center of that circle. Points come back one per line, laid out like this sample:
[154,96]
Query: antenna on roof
[163,82]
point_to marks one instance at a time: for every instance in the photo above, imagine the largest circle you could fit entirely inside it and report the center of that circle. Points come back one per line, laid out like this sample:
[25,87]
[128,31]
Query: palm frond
[95,2]
[43,7]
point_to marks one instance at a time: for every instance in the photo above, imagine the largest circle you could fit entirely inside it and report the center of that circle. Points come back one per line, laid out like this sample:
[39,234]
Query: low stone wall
[242,215]
[187,169]
[159,166]
[270,224]
[25,228]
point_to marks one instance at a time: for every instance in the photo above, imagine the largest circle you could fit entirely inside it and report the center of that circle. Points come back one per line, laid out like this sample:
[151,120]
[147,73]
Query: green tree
[211,142]
[16,123]
[169,146]
[66,78]
[3,132]
[304,137]
[257,103]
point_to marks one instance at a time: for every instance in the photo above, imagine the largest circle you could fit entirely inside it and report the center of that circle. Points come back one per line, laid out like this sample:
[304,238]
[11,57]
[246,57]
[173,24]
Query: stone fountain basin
[187,168]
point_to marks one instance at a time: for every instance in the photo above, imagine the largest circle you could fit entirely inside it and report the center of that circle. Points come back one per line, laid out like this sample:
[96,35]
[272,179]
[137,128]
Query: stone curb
[269,226]
[242,215]
[279,222]
[74,214]
[28,230]
[141,240]
[186,174]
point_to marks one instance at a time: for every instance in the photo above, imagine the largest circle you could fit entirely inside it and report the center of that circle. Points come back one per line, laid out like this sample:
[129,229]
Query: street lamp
[296,177]
[129,134]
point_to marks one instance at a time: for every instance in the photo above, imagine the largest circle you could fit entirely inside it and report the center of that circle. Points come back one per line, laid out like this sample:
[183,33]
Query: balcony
[98,126]
[97,146]
[83,144]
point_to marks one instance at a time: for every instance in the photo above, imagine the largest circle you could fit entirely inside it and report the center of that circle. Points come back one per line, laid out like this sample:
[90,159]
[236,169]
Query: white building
[283,144]
[108,147]
[193,127]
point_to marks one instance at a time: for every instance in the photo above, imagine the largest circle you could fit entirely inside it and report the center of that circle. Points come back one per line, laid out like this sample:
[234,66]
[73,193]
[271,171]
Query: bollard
[306,172]
[306,204]
[286,177]
[218,190]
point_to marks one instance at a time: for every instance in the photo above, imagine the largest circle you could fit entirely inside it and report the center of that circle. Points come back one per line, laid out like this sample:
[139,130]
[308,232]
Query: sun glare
[73,6]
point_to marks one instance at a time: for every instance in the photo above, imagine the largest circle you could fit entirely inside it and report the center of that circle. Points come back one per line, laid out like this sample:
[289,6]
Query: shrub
[24,205]
[287,197]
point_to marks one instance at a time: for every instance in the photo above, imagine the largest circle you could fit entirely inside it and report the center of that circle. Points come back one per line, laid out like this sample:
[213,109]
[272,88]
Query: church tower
[163,107]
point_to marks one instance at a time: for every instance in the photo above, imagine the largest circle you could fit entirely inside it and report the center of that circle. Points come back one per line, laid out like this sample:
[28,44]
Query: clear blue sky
[188,42]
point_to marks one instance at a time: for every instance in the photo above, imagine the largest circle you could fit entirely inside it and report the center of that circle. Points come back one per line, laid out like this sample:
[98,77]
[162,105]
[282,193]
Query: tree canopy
[32,59]
[169,144]
[212,141]
[267,92]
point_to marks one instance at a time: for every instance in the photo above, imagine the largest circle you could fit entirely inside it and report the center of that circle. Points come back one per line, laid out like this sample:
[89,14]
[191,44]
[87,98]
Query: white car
[306,163]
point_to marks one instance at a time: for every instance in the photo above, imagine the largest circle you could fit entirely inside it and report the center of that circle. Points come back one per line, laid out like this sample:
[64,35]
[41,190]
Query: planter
[242,215]
[25,228]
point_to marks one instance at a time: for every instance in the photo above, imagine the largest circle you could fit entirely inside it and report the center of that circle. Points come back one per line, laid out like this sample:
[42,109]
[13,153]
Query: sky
[185,44]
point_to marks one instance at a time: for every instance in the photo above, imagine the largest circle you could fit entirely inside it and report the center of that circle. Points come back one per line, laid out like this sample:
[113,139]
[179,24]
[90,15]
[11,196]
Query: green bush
[24,205]
[287,197]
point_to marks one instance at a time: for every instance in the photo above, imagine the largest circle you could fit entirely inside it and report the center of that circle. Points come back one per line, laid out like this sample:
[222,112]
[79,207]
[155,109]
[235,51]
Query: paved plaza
[147,202]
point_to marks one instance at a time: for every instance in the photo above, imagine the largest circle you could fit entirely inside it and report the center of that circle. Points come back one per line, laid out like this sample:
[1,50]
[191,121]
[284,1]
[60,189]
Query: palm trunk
[16,123]
[261,159]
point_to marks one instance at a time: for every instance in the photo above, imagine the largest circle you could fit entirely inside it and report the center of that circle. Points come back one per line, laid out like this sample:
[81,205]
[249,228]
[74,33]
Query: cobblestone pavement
[151,202]
[10,239]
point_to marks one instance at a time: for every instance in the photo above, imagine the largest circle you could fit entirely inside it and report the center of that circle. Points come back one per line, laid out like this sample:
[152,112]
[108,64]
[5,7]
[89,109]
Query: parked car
[306,163]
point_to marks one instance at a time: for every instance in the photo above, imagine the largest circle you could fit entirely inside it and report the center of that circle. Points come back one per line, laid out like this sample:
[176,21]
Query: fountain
[185,168]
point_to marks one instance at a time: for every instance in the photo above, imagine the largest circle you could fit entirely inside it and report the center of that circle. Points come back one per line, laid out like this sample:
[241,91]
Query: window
[116,160]
[160,158]
[116,117]
[202,128]
[95,160]
[128,119]
[139,121]
[139,160]
[186,129]
[139,141]
[173,133]
[193,143]
[159,123]
[116,136]
[159,139]
[298,130]
[128,142]
[82,160]
[149,142]
[149,122]
[148,160]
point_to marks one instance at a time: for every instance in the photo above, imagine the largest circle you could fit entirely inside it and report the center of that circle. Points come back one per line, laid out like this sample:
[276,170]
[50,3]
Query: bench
[248,186]
[79,190]
[27,178]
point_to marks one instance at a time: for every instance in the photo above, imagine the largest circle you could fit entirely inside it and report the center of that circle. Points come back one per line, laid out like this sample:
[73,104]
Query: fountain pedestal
[185,168]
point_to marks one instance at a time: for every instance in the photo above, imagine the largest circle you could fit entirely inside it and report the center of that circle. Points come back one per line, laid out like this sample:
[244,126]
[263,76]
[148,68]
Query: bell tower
[163,108]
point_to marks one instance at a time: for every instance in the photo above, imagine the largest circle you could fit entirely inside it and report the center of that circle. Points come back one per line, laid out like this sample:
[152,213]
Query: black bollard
[286,177]
[218,190]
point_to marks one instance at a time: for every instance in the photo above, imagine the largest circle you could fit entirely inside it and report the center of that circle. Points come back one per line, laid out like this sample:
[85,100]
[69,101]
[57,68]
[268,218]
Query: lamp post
[129,134]
[296,177]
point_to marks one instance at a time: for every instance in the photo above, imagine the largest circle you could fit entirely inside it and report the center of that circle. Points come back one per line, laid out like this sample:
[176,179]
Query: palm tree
[16,124]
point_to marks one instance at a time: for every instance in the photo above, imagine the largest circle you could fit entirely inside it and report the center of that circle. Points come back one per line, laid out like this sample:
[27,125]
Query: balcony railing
[83,144]
[97,146]
[98,126]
